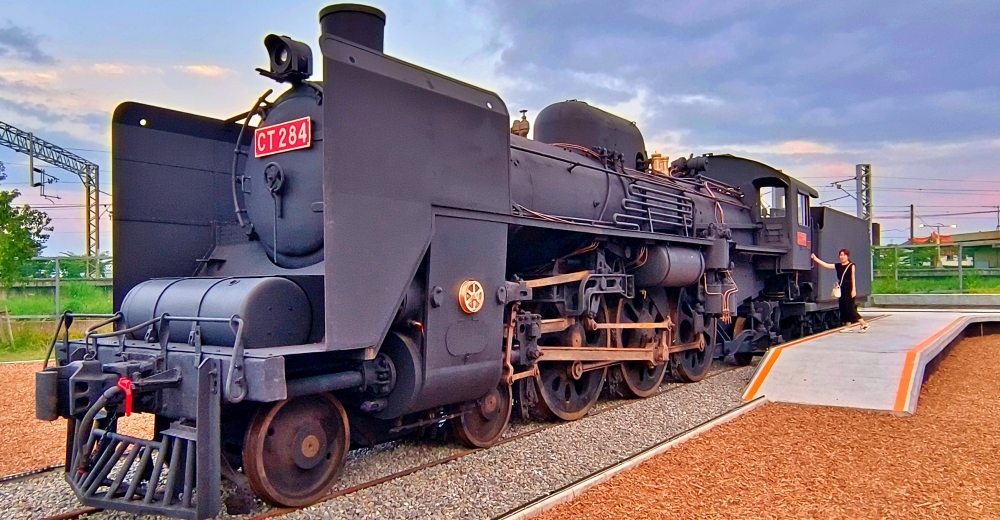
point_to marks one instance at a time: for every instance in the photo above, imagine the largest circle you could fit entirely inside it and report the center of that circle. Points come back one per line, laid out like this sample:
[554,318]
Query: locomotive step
[882,369]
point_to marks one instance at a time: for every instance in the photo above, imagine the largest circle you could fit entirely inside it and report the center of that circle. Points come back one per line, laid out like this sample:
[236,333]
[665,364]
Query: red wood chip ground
[27,443]
[782,461]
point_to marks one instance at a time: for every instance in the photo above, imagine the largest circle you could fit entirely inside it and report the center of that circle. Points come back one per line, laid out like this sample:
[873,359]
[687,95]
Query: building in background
[979,250]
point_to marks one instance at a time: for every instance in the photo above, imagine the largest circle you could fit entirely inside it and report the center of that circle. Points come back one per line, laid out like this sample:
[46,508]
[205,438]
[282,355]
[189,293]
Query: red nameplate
[288,136]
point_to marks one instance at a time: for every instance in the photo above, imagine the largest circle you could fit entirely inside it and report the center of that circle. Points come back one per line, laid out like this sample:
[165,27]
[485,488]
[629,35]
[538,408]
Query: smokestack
[361,24]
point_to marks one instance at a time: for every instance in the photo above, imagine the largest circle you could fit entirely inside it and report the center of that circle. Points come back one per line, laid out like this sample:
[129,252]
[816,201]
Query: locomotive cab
[782,206]
[779,205]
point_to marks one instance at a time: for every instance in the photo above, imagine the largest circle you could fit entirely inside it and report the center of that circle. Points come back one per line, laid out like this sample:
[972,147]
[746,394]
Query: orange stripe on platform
[909,366]
[762,374]
[772,357]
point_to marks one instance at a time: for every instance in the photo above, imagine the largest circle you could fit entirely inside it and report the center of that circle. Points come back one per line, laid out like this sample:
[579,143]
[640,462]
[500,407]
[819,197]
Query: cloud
[117,69]
[35,97]
[21,44]
[205,71]
[691,99]
[772,71]
[107,68]
[46,115]
[27,79]
[785,148]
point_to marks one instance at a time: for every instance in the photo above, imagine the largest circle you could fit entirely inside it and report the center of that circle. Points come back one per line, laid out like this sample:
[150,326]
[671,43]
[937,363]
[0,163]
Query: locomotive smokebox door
[282,182]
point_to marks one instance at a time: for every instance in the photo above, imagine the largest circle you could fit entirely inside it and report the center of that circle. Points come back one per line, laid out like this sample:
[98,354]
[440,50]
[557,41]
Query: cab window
[803,210]
[772,201]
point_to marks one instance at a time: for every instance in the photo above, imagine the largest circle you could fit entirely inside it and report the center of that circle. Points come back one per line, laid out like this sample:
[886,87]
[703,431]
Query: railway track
[444,460]
[14,477]
[281,511]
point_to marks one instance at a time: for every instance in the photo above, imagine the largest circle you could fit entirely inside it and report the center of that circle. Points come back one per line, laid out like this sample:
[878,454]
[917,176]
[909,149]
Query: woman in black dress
[845,277]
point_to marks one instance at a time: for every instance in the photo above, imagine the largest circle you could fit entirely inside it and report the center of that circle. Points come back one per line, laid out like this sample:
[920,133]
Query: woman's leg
[857,315]
[847,310]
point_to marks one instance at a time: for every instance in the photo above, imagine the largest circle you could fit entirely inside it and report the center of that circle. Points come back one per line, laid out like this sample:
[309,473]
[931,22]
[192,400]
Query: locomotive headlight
[290,60]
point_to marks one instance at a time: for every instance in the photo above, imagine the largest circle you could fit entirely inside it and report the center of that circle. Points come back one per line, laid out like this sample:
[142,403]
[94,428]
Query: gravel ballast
[490,482]
[783,461]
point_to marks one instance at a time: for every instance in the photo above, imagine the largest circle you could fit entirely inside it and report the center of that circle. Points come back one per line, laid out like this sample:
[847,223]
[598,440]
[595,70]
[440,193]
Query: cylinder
[361,24]
[275,311]
[324,383]
[670,267]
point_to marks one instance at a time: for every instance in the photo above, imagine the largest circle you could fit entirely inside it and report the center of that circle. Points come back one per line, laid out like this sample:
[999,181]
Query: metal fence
[936,268]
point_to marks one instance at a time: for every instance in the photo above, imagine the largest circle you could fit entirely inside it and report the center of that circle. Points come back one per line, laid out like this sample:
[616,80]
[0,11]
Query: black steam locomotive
[378,253]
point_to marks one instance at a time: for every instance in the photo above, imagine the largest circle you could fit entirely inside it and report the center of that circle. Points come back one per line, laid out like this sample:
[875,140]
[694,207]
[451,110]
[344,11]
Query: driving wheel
[567,391]
[640,378]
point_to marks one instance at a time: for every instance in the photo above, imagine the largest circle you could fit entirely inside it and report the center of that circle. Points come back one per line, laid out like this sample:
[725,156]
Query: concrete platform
[882,369]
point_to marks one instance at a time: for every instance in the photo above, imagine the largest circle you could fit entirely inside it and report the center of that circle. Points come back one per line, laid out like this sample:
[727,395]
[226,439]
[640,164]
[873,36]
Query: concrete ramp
[882,369]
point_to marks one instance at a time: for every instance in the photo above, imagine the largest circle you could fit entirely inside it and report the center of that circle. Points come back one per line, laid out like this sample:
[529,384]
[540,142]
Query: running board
[177,476]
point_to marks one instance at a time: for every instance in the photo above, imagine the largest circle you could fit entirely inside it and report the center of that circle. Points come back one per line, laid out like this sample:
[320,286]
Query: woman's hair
[846,252]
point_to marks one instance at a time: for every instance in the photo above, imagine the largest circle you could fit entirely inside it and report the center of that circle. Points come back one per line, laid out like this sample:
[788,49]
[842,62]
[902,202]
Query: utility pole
[912,224]
[24,142]
[866,206]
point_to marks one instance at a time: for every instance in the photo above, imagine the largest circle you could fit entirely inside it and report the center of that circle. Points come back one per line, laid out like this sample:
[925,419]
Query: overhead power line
[907,179]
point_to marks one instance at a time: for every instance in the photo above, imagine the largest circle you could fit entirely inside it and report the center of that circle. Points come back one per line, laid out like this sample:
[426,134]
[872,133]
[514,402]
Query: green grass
[32,338]
[73,296]
[972,284]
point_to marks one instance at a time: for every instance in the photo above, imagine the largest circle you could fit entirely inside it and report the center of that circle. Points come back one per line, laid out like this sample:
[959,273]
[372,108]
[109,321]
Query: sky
[811,88]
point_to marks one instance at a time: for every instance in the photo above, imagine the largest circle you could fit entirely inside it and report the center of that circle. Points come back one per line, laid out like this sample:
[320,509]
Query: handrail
[235,386]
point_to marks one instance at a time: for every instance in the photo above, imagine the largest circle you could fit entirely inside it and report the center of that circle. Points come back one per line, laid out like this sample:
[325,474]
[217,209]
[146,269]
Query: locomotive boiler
[376,254]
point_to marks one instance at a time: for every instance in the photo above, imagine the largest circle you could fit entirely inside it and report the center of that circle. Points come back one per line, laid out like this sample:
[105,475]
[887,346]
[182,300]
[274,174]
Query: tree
[23,232]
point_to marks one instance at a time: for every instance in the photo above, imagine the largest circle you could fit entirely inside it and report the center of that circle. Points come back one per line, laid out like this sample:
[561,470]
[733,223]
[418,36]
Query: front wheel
[294,450]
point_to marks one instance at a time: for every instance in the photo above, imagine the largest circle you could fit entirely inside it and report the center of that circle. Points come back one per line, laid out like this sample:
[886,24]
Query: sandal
[846,329]
[865,327]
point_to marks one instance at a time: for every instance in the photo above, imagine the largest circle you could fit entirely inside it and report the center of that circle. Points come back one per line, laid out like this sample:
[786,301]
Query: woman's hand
[812,256]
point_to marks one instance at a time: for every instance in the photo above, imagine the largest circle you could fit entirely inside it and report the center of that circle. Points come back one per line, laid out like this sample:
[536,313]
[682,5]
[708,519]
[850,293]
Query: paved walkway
[881,369]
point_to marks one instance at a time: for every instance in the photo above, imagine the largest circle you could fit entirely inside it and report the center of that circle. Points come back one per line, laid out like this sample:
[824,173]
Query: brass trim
[471,296]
